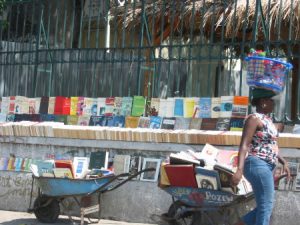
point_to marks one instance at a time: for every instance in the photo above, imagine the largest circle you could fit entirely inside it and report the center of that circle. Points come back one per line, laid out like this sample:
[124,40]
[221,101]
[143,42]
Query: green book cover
[98,160]
[72,120]
[138,106]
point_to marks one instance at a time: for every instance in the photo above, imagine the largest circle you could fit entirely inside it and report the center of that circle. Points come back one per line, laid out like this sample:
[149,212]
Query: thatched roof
[229,18]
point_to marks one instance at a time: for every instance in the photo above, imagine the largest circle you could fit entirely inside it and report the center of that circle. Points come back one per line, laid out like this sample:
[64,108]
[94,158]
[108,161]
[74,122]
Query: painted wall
[136,201]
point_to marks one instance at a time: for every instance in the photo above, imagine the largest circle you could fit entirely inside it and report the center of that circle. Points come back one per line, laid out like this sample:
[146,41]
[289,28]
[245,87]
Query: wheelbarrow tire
[185,218]
[46,209]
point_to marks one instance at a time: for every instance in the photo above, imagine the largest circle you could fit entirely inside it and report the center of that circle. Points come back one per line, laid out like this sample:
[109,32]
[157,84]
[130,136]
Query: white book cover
[101,106]
[215,107]
[81,165]
[226,106]
[162,111]
[121,164]
[5,105]
[170,107]
[209,154]
[154,104]
[90,106]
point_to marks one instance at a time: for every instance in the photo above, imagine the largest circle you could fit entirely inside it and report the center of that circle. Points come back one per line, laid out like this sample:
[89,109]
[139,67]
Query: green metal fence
[158,48]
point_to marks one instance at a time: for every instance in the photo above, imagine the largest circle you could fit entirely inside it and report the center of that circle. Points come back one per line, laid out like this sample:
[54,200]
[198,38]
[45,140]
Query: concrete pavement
[22,218]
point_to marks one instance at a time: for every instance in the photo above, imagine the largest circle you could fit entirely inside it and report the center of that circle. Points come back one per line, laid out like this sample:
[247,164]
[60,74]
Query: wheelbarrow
[52,191]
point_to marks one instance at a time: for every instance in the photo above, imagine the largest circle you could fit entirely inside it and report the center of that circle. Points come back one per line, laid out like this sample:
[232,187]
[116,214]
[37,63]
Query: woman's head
[262,100]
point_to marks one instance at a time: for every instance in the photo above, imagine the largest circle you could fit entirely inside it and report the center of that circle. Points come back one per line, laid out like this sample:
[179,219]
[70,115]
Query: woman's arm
[251,125]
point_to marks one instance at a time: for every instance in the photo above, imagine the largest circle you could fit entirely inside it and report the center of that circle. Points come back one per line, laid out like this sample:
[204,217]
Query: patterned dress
[264,142]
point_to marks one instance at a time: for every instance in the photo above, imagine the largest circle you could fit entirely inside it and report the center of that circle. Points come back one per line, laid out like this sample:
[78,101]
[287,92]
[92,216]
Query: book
[205,107]
[44,166]
[63,173]
[65,164]
[228,158]
[155,122]
[209,123]
[181,175]
[83,120]
[131,121]
[18,164]
[51,105]
[80,106]
[226,106]
[182,158]
[138,106]
[118,121]
[4,163]
[121,164]
[5,105]
[223,124]
[11,105]
[21,105]
[126,106]
[73,106]
[33,105]
[135,165]
[61,118]
[240,106]
[195,123]
[225,175]
[144,122]
[97,121]
[207,179]
[154,105]
[188,107]
[215,107]
[81,165]
[182,123]
[72,120]
[117,110]
[109,106]
[168,123]
[164,180]
[90,107]
[178,107]
[44,105]
[209,154]
[236,124]
[99,160]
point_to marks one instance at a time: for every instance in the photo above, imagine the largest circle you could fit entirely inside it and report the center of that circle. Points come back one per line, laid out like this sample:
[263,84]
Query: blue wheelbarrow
[52,191]
[191,205]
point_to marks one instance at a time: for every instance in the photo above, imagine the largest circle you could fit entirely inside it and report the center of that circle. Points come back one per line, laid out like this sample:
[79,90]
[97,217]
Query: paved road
[22,218]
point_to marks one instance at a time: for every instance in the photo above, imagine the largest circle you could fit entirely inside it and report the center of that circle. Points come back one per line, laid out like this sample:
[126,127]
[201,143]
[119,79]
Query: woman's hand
[287,171]
[236,178]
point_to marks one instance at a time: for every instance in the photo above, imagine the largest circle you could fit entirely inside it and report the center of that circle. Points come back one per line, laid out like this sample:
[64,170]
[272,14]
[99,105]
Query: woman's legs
[259,174]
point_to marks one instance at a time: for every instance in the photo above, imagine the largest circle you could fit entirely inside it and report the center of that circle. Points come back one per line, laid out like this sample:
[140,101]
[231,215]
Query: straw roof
[228,18]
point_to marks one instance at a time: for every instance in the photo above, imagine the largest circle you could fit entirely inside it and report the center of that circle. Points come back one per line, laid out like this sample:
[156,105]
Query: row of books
[59,130]
[188,107]
[153,122]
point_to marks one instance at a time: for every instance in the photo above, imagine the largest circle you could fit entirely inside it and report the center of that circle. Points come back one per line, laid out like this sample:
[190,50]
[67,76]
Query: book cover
[209,154]
[10,118]
[72,120]
[47,117]
[162,110]
[80,106]
[117,110]
[101,106]
[154,105]
[60,118]
[195,123]
[168,123]
[240,106]
[182,123]
[148,163]
[18,164]
[226,106]
[138,106]
[109,122]
[225,175]
[73,106]
[5,105]
[227,158]
[144,122]
[97,121]
[126,106]
[90,107]
[81,165]
[207,179]
[131,121]
[66,164]
[83,120]
[2,117]
[109,106]
[223,124]
[215,107]
[135,165]
[44,166]
[170,106]
[11,163]
[99,160]
[121,164]
[236,124]
[178,107]
[181,175]
[188,107]
[33,106]
[205,107]
[118,121]
[63,173]
[4,163]
[21,105]
[52,103]
[11,107]
[44,105]
[209,123]
[182,158]
[155,122]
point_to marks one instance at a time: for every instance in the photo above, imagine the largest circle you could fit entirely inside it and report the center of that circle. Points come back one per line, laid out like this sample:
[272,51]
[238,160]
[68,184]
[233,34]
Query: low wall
[136,201]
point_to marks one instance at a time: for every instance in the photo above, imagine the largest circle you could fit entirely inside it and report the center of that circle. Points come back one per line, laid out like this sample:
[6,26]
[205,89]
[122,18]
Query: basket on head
[267,73]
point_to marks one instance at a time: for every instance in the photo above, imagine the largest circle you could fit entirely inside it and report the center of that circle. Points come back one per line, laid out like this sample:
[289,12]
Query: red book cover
[181,175]
[66,106]
[58,107]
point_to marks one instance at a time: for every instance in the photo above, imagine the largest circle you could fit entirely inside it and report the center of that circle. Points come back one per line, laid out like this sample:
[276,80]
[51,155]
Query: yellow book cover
[132,121]
[164,180]
[73,108]
[188,107]
[63,172]
[51,105]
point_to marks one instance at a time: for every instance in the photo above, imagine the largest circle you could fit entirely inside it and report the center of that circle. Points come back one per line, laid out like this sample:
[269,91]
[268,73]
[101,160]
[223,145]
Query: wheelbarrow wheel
[176,217]
[46,209]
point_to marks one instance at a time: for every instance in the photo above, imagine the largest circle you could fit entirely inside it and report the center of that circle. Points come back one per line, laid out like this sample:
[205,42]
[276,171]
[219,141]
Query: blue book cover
[118,121]
[109,122]
[205,107]
[178,108]
[47,117]
[155,122]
